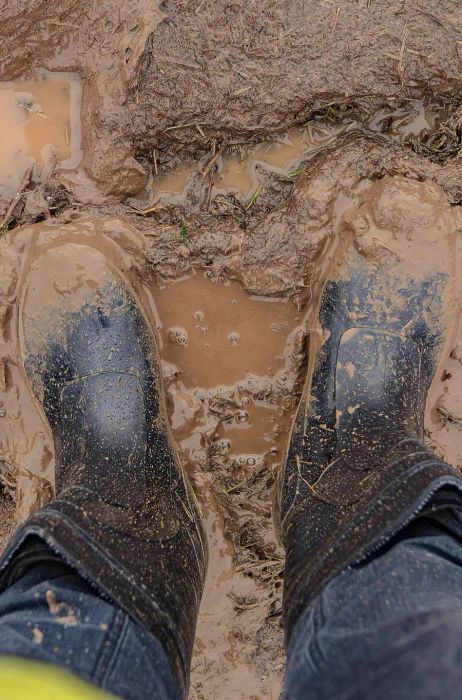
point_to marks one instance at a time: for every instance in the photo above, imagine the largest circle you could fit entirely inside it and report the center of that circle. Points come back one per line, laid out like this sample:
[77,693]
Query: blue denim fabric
[390,628]
[52,615]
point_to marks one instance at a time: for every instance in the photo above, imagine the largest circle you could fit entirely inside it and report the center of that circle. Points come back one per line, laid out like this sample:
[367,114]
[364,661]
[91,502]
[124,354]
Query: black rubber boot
[357,471]
[124,516]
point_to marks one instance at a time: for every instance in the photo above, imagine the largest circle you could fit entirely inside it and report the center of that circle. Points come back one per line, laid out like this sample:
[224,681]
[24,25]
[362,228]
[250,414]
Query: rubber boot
[356,469]
[124,516]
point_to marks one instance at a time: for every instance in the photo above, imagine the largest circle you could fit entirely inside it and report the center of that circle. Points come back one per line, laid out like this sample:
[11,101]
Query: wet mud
[224,157]
[183,78]
[40,128]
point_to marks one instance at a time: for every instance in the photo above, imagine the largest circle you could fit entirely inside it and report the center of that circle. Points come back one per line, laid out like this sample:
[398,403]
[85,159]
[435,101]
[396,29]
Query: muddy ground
[373,92]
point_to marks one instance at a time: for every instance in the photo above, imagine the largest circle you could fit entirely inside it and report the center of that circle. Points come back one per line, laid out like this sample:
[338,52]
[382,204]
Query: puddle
[225,356]
[411,121]
[173,183]
[239,170]
[224,352]
[240,174]
[40,121]
[218,334]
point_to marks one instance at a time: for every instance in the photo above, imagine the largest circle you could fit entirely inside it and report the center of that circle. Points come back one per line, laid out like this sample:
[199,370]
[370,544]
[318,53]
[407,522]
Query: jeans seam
[109,646]
[114,652]
[318,622]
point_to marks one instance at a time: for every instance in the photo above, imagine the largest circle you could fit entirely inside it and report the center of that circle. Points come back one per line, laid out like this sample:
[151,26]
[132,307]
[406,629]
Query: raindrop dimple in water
[177,335]
[224,445]
[242,417]
[251,461]
[245,401]
[233,337]
[199,316]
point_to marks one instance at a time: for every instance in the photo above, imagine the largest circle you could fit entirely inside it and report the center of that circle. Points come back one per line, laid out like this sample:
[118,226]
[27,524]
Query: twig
[182,126]
[337,15]
[157,207]
[16,198]
[212,162]
[402,54]
[154,160]
[430,16]
[254,198]
[199,7]
[27,108]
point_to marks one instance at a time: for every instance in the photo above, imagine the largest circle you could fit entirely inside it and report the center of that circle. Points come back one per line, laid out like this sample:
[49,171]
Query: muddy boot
[356,470]
[123,516]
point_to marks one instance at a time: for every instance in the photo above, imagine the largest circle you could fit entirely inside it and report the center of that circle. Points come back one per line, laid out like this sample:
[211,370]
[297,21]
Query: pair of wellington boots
[124,515]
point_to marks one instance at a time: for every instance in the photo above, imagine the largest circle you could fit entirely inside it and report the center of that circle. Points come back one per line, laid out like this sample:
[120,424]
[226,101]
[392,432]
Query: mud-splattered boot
[356,470]
[123,516]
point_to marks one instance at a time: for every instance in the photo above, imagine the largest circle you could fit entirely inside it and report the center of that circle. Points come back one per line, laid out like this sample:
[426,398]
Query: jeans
[390,627]
[387,629]
[53,615]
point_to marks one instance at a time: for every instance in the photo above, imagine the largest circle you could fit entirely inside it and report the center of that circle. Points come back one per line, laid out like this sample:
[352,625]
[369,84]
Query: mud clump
[221,71]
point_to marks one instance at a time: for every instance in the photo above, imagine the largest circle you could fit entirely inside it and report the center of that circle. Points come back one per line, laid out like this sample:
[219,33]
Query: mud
[233,365]
[182,77]
[225,153]
[40,127]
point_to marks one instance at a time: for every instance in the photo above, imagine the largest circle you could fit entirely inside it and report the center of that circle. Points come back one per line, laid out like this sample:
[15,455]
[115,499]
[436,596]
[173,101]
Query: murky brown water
[240,169]
[219,334]
[39,123]
[221,346]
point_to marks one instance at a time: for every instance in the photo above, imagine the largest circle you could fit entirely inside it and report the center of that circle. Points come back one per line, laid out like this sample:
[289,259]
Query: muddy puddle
[225,352]
[39,128]
[226,360]
[240,170]
[223,347]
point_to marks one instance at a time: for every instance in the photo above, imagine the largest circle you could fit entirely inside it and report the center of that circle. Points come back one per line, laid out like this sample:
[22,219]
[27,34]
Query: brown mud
[40,128]
[224,156]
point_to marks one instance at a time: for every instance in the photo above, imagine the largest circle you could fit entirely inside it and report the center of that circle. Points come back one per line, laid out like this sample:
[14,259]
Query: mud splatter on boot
[124,516]
[356,469]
